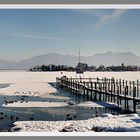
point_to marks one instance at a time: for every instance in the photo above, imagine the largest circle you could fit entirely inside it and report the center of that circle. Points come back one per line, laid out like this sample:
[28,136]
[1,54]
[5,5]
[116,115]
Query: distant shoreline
[25,70]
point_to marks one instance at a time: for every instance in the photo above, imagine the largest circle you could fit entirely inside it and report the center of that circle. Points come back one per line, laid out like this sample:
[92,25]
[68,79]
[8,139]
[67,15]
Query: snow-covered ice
[98,104]
[109,123]
[36,84]
[89,104]
[36,104]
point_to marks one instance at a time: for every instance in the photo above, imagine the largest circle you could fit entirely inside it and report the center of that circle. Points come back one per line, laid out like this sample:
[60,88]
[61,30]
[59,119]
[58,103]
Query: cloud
[104,16]
[111,17]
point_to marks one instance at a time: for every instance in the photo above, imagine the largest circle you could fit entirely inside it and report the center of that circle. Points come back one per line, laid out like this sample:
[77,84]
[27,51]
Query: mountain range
[108,58]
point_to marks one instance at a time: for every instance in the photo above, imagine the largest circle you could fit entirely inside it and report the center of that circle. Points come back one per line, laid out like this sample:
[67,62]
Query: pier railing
[125,94]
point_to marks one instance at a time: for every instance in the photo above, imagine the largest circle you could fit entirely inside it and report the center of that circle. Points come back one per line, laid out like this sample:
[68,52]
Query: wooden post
[137,88]
[123,88]
[87,93]
[84,88]
[114,98]
[103,84]
[76,84]
[134,95]
[100,86]
[72,84]
[103,96]
[111,88]
[125,103]
[100,95]
[68,84]
[105,89]
[116,85]
[108,85]
[97,79]
[95,96]
[120,91]
[91,90]
[126,86]
[120,85]
[80,79]
[118,96]
[130,88]
[78,88]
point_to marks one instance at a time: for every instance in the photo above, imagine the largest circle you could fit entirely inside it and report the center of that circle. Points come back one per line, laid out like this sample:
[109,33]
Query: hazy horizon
[25,33]
[77,55]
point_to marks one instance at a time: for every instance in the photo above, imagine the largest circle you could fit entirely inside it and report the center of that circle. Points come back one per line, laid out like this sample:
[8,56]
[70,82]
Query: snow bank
[22,88]
[98,104]
[114,123]
[89,104]
[23,81]
[107,115]
[107,104]
[36,104]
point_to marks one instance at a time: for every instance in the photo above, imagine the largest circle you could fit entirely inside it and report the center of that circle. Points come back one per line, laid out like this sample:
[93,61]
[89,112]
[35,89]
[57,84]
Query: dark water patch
[5,85]
[52,113]
[136,120]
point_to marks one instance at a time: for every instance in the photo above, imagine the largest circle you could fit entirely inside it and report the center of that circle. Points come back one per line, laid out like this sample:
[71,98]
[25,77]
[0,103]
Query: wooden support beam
[118,95]
[125,102]
[91,91]
[137,88]
[134,95]
[95,94]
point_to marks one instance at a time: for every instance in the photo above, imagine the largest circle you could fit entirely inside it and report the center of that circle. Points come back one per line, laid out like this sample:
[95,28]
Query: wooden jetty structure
[125,94]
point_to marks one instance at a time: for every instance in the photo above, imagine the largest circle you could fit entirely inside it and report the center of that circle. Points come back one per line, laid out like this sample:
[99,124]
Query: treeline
[85,67]
[118,68]
[52,68]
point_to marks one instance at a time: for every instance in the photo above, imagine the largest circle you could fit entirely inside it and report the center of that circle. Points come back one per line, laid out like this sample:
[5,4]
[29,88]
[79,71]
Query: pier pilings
[125,94]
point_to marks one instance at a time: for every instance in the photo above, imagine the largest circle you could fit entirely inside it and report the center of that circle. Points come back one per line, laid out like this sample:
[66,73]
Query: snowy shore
[121,123]
[27,90]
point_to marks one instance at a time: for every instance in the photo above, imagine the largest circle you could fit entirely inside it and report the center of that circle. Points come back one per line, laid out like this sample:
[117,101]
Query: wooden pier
[121,92]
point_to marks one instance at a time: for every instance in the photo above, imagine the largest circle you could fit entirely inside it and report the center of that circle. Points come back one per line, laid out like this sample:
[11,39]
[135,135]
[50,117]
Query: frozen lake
[24,76]
[35,99]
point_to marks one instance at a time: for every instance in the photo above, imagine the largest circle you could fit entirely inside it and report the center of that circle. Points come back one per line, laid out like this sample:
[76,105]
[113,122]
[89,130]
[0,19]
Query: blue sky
[26,33]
